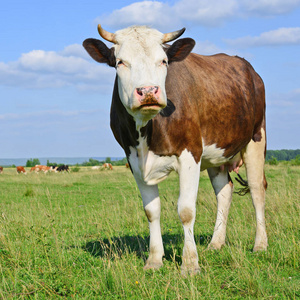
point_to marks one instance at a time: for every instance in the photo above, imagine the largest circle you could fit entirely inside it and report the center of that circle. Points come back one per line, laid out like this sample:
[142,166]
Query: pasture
[84,235]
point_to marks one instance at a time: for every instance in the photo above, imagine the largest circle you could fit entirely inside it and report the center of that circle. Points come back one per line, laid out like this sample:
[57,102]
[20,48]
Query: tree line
[284,154]
[91,162]
[292,157]
[272,157]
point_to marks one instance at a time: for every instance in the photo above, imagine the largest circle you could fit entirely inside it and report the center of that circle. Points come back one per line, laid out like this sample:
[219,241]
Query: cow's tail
[245,189]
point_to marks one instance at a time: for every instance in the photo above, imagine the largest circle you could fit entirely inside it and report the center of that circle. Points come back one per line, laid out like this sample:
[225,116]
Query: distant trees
[32,162]
[282,154]
[121,162]
[273,157]
[92,162]
[51,164]
[95,162]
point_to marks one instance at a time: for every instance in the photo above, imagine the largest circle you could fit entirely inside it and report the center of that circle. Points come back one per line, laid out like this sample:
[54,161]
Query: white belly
[214,157]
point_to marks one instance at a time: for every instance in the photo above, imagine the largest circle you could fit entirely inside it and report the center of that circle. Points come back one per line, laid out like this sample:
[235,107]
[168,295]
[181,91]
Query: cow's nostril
[139,91]
[156,89]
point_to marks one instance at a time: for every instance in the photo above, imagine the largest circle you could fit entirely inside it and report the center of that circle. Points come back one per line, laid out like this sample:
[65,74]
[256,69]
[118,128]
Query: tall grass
[84,235]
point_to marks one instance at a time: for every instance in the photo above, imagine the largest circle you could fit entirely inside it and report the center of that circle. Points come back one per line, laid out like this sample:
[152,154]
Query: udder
[232,166]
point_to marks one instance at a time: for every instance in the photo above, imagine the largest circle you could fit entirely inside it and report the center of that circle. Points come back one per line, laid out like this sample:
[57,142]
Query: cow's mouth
[150,102]
[149,105]
[153,105]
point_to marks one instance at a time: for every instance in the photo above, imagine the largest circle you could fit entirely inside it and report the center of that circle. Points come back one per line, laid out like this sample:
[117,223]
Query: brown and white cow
[1,170]
[107,166]
[173,110]
[39,168]
[21,169]
[45,169]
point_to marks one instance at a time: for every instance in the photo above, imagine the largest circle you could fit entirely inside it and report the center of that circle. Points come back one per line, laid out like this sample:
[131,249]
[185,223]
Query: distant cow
[39,168]
[63,168]
[45,169]
[21,169]
[1,170]
[95,167]
[173,110]
[107,166]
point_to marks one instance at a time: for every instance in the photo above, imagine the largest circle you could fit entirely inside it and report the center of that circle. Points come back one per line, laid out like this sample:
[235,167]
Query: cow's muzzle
[149,97]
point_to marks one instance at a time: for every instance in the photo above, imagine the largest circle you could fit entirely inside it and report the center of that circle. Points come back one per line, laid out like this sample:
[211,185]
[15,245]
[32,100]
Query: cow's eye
[120,63]
[164,62]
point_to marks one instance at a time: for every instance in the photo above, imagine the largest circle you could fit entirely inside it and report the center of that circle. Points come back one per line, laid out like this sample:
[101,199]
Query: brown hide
[219,99]
[20,169]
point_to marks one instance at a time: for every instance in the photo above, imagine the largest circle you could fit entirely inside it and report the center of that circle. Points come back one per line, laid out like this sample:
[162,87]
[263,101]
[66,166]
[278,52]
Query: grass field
[84,235]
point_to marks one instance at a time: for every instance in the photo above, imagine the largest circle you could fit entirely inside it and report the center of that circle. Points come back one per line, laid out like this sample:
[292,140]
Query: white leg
[189,173]
[151,204]
[223,189]
[254,159]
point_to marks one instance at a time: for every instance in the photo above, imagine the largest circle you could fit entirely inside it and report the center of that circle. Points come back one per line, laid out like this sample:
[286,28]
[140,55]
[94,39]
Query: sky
[55,100]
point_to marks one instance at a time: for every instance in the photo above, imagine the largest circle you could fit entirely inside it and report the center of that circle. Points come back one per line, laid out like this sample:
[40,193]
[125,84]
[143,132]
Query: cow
[43,168]
[107,166]
[95,167]
[62,168]
[33,169]
[21,169]
[174,110]
[1,170]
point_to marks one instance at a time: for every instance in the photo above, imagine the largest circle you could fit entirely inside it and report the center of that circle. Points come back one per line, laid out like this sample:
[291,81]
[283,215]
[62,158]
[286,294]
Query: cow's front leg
[189,173]
[151,204]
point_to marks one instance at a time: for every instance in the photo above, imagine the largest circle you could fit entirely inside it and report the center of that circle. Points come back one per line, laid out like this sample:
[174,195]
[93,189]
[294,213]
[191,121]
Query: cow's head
[141,62]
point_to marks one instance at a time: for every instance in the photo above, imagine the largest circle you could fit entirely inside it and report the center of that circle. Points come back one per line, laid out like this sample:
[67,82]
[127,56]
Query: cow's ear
[180,49]
[100,52]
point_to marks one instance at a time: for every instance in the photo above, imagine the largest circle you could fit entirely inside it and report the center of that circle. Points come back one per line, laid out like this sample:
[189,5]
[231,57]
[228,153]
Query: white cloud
[165,17]
[205,12]
[206,48]
[49,69]
[208,13]
[145,12]
[51,62]
[74,50]
[278,37]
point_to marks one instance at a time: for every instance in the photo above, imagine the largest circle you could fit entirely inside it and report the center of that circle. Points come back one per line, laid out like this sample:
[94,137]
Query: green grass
[84,235]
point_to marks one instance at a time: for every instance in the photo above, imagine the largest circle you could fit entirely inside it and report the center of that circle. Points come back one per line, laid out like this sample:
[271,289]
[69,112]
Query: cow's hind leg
[151,204]
[223,188]
[254,158]
[189,173]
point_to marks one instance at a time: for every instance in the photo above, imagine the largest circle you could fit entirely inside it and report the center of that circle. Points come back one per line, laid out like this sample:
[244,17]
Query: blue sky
[55,100]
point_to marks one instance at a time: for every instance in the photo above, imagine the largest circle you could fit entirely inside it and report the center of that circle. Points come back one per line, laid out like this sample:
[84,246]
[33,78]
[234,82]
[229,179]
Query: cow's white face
[141,63]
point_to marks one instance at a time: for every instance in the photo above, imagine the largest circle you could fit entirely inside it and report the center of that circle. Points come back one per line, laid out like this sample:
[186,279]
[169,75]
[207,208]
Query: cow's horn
[107,35]
[168,37]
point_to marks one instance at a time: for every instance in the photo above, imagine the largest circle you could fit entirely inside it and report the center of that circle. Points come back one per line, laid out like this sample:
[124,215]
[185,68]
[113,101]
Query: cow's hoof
[153,265]
[259,248]
[190,271]
[214,246]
